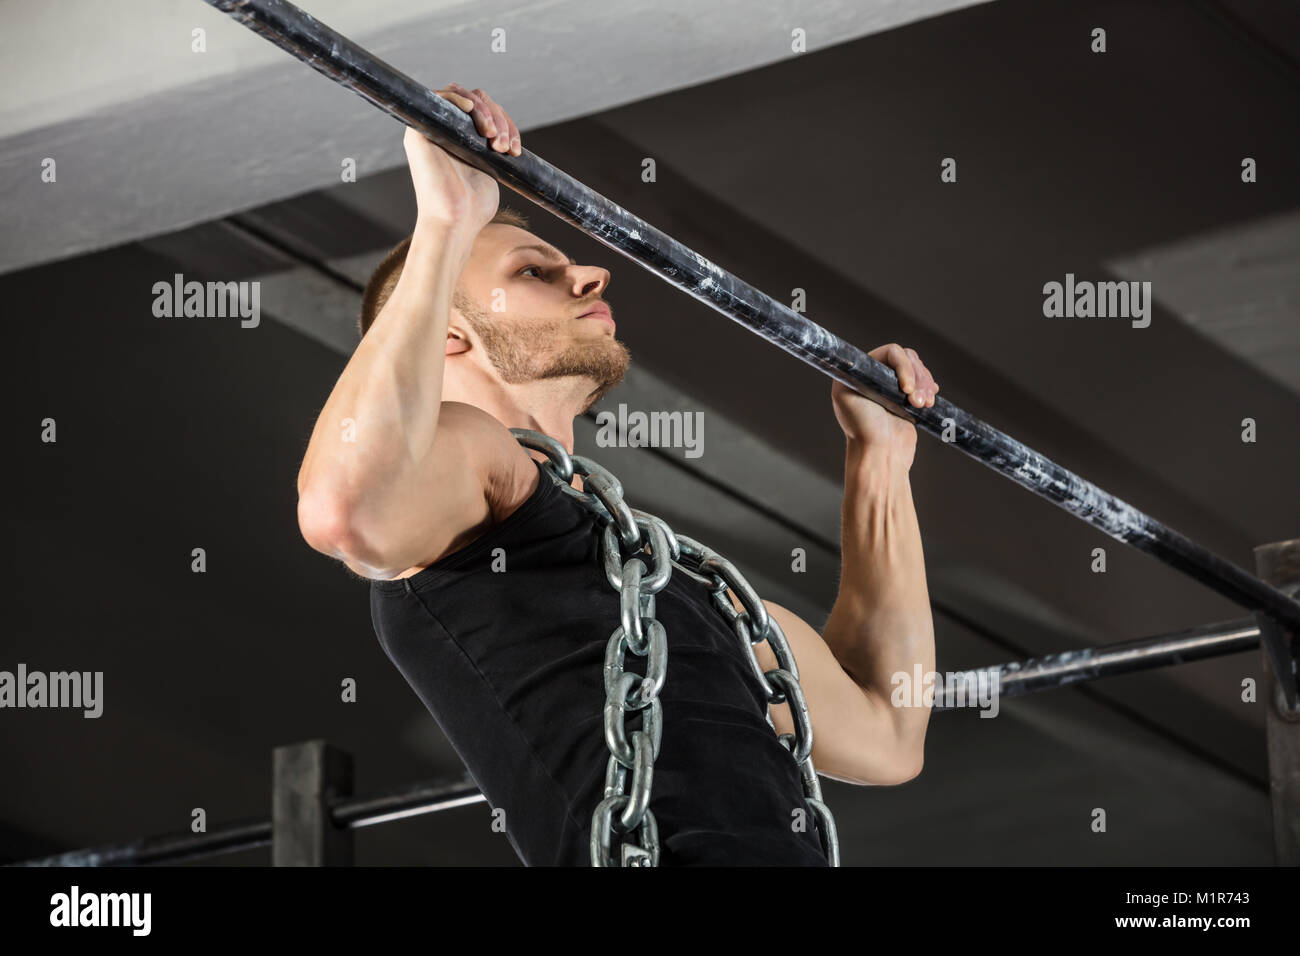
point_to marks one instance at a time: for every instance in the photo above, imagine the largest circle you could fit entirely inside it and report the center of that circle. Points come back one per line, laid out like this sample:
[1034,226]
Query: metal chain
[623,827]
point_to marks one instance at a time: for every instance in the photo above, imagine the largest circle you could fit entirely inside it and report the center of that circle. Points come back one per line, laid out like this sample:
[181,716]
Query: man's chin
[612,378]
[604,366]
[594,398]
[603,388]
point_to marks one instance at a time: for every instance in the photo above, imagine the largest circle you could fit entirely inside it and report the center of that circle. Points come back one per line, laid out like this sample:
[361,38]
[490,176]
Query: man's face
[541,331]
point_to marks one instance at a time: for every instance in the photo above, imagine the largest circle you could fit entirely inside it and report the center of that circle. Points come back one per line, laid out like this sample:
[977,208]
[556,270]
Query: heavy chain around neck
[623,828]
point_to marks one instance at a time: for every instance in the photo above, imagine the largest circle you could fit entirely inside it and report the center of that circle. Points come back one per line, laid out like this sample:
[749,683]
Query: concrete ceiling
[817,172]
[1239,287]
[150,135]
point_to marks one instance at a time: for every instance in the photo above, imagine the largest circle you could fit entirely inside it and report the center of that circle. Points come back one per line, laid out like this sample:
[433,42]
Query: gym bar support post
[334,55]
[306,779]
[1279,564]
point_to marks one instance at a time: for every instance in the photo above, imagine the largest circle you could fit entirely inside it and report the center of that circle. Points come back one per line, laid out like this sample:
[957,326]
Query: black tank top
[510,665]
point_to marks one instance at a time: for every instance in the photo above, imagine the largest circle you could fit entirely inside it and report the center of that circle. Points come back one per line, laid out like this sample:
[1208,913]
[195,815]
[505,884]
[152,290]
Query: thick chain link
[623,827]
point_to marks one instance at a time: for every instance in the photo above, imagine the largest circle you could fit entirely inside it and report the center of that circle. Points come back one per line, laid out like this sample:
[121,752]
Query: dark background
[820,173]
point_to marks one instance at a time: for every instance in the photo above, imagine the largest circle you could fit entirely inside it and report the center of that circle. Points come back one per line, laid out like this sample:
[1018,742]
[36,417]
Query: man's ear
[456,342]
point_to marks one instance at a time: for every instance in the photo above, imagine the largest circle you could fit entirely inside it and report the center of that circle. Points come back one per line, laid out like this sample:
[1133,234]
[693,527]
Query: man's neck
[548,407]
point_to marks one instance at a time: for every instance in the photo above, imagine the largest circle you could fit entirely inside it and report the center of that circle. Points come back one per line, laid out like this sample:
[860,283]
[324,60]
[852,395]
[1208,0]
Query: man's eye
[526,268]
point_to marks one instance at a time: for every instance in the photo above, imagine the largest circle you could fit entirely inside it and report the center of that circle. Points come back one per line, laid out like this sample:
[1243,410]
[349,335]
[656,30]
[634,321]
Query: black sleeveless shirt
[509,663]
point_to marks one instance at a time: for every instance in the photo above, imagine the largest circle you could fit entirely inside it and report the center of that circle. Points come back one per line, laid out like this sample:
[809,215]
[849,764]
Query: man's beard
[522,351]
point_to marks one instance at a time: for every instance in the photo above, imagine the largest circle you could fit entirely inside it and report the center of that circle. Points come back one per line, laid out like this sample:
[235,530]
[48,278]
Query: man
[487,589]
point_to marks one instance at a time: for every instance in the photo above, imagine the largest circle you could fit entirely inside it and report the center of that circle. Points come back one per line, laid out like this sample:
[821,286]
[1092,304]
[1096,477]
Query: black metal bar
[428,796]
[410,801]
[332,54]
[167,847]
[1073,667]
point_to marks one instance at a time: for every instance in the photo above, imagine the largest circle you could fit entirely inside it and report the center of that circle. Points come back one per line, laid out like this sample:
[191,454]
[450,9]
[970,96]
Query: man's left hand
[865,421]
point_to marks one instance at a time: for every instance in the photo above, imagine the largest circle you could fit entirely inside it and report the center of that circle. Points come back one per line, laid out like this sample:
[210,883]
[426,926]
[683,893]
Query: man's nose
[591,280]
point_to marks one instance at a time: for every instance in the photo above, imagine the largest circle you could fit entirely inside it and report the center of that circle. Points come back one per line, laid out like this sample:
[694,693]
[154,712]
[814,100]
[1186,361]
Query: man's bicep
[854,731]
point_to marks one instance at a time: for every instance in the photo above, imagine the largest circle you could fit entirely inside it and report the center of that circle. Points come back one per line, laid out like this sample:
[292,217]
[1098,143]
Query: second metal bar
[1072,667]
[347,812]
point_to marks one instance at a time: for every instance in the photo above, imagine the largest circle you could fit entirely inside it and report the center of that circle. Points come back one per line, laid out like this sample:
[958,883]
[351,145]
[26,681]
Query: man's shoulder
[504,467]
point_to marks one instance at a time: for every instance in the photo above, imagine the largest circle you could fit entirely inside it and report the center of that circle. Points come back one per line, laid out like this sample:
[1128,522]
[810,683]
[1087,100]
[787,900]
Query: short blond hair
[384,279]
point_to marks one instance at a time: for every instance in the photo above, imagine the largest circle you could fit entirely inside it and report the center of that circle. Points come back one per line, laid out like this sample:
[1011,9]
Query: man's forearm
[881,624]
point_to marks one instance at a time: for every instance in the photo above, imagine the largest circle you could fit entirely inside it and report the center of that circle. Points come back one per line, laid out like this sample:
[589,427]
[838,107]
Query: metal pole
[407,802]
[1073,667]
[166,848]
[306,778]
[429,796]
[332,54]
[1279,563]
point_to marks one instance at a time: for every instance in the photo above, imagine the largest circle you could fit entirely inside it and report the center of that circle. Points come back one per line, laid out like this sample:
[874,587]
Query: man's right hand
[448,191]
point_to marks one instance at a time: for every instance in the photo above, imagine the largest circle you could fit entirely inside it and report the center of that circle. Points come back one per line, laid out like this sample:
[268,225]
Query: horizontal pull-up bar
[403,98]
